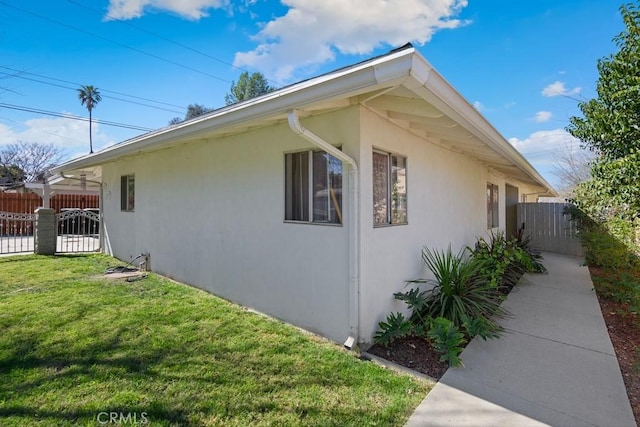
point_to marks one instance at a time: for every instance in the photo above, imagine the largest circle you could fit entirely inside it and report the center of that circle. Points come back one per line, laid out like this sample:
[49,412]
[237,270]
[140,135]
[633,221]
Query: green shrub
[482,327]
[534,262]
[620,287]
[447,340]
[506,260]
[394,328]
[460,291]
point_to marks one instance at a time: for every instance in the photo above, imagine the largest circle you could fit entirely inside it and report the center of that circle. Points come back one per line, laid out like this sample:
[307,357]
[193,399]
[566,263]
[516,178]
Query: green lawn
[76,349]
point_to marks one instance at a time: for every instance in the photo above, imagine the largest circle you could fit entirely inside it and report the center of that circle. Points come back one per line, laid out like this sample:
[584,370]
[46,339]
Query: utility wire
[161,37]
[104,96]
[19,72]
[115,42]
[67,116]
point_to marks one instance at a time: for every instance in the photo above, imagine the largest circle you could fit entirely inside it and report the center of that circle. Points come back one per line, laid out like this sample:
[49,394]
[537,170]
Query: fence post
[45,231]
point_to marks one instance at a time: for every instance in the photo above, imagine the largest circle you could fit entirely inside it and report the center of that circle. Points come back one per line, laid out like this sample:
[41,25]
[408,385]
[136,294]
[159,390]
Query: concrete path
[555,365]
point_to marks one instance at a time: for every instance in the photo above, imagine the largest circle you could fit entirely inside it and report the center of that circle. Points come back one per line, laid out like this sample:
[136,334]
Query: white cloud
[543,116]
[190,9]
[312,31]
[68,134]
[478,106]
[558,89]
[546,149]
[543,141]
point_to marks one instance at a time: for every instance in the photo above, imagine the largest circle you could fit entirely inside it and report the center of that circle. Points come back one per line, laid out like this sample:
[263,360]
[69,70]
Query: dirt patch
[414,353]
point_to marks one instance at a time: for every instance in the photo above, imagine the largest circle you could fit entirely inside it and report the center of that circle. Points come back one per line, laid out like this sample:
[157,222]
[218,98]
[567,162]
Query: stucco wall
[211,214]
[446,206]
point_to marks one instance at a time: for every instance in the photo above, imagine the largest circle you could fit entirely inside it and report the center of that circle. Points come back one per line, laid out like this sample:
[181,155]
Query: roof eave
[404,66]
[386,71]
[444,96]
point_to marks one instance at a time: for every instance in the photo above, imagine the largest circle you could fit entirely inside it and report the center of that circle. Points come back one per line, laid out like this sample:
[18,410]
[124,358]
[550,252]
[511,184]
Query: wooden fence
[550,227]
[27,203]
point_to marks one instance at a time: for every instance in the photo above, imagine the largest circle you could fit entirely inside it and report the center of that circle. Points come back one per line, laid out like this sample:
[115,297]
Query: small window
[389,189]
[492,206]
[313,187]
[127,193]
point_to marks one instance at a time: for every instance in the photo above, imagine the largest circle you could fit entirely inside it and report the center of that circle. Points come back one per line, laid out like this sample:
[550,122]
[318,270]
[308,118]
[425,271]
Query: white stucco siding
[211,214]
[446,206]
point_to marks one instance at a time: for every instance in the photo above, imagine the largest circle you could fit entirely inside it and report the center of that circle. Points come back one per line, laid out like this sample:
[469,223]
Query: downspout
[100,197]
[354,224]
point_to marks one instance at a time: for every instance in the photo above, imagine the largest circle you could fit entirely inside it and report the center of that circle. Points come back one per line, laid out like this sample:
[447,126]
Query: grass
[74,345]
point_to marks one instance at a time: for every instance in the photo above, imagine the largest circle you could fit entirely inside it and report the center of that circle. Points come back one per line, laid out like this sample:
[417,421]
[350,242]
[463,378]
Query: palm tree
[89,96]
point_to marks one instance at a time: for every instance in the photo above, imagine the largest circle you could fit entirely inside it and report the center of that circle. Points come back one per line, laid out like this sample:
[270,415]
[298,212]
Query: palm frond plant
[461,291]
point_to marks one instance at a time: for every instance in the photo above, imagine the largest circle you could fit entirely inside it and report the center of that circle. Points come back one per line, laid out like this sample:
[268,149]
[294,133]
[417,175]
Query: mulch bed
[417,354]
[624,331]
[414,353]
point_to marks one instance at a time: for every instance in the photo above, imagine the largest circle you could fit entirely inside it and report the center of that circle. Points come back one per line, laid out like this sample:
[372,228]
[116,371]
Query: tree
[610,125]
[31,160]
[10,174]
[89,96]
[193,111]
[572,167]
[248,86]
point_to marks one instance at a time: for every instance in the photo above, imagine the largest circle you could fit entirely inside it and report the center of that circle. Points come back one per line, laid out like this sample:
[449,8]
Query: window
[313,187]
[127,193]
[389,189]
[492,206]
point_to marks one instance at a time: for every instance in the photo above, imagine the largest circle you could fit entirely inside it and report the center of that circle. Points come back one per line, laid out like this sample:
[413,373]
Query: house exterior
[312,203]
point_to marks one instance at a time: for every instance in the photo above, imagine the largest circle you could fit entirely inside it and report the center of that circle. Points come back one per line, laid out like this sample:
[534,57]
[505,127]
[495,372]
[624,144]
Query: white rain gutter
[354,223]
[388,70]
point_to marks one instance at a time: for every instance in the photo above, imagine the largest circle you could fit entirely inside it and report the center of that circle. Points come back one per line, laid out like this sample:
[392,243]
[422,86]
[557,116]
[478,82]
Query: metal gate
[550,227]
[16,232]
[78,230]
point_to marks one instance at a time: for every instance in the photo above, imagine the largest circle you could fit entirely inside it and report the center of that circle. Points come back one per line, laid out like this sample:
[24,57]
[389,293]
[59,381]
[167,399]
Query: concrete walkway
[555,365]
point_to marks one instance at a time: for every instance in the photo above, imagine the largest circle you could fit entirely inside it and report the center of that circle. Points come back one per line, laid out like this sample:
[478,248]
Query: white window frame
[310,195]
[389,220]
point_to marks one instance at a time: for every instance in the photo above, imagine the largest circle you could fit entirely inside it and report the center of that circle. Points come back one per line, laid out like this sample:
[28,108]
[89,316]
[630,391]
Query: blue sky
[524,65]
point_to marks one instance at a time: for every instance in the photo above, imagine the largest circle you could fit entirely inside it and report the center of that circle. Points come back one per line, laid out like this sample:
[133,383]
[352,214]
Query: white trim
[403,67]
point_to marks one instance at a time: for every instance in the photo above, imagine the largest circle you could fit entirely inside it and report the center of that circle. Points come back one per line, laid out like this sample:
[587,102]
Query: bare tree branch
[572,166]
[32,158]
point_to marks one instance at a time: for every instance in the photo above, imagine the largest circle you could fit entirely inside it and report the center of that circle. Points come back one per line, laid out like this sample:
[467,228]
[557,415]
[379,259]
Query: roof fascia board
[389,70]
[445,97]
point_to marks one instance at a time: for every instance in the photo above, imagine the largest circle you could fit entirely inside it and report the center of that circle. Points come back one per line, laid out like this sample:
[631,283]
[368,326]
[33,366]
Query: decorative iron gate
[78,230]
[16,232]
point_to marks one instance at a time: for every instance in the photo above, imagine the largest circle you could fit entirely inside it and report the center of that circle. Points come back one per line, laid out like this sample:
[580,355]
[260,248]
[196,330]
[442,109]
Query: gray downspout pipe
[100,200]
[354,224]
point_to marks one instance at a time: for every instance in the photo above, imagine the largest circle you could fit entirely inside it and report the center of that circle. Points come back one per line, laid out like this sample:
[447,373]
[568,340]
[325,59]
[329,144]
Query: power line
[152,55]
[18,72]
[161,37]
[104,96]
[67,116]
